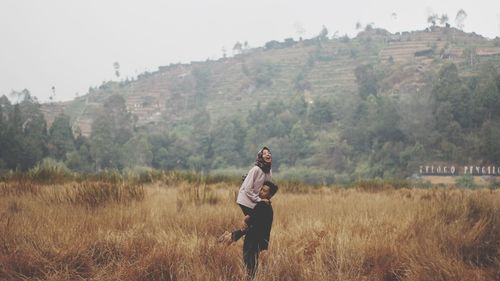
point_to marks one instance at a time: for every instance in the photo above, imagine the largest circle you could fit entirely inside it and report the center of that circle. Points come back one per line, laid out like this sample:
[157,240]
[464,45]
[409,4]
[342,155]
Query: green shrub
[113,176]
[494,184]
[50,171]
[307,175]
[142,174]
[423,184]
[466,181]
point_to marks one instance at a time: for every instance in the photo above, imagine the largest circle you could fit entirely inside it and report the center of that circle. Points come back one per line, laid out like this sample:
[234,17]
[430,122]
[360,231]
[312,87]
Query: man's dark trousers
[257,236]
[251,256]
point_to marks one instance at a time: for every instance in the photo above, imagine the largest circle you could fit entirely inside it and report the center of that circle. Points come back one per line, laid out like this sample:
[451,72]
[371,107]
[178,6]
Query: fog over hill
[72,46]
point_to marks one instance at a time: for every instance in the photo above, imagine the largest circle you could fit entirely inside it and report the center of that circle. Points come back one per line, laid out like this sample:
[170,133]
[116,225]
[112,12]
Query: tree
[161,158]
[122,123]
[61,140]
[13,139]
[159,143]
[53,93]
[470,53]
[486,95]
[80,159]
[490,144]
[228,137]
[19,95]
[366,80]
[273,44]
[23,133]
[297,144]
[323,34]
[112,128]
[264,74]
[170,151]
[201,135]
[3,131]
[5,109]
[102,145]
[330,151]
[385,122]
[298,106]
[321,113]
[449,88]
[34,132]
[432,19]
[202,77]
[116,67]
[6,105]
[443,20]
[136,153]
[460,18]
[237,48]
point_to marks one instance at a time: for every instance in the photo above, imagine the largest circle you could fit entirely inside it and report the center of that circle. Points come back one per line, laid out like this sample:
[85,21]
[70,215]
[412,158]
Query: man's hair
[272,187]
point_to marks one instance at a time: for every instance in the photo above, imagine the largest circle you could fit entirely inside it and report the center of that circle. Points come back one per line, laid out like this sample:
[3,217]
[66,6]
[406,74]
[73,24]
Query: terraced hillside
[311,68]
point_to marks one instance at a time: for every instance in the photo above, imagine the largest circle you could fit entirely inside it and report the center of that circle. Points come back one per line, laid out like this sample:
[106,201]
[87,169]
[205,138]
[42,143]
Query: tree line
[331,138]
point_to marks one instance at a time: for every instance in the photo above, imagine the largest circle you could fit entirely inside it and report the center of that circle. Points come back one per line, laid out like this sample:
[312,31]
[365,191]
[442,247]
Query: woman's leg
[246,210]
[237,234]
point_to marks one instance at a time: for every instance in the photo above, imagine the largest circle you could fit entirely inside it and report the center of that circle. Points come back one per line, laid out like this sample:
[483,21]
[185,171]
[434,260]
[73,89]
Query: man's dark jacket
[260,224]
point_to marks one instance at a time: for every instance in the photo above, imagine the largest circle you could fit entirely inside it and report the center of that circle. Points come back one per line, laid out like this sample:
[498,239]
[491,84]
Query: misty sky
[72,45]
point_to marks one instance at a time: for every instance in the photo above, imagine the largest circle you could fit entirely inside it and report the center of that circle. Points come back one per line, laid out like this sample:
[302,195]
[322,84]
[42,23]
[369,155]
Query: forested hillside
[332,109]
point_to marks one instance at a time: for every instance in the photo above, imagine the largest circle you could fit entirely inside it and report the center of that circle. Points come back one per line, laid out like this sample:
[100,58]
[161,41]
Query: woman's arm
[249,184]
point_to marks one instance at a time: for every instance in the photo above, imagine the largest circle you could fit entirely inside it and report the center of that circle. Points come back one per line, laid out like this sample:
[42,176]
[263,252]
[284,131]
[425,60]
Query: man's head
[268,190]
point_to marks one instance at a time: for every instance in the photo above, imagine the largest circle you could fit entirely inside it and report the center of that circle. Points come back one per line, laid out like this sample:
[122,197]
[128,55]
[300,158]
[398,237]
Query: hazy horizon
[72,45]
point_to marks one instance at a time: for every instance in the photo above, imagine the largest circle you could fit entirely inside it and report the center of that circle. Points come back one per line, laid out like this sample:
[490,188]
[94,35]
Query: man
[258,231]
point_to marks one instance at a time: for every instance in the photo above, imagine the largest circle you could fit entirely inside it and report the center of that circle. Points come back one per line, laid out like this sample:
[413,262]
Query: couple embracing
[254,200]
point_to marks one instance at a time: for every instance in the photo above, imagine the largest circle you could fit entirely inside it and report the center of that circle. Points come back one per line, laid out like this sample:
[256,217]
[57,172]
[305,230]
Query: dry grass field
[93,230]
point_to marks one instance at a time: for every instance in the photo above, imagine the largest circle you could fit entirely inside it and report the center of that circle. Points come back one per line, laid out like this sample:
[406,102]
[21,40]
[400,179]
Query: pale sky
[72,44]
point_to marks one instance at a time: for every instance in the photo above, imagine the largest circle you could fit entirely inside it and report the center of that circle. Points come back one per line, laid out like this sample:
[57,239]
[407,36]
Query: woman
[248,195]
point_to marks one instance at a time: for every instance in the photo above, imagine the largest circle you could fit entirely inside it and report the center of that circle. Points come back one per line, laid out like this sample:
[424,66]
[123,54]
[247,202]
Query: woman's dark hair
[272,187]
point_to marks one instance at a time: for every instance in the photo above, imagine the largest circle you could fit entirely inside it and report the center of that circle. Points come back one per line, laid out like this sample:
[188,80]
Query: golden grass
[168,232]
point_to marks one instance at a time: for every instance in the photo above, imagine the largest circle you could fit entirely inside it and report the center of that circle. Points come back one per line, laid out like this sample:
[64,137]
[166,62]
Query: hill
[311,68]
[331,109]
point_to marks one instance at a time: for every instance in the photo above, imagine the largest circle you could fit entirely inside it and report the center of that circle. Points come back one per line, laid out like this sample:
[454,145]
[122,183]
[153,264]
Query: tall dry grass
[168,230]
